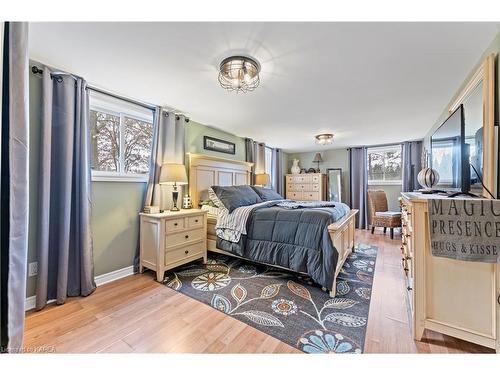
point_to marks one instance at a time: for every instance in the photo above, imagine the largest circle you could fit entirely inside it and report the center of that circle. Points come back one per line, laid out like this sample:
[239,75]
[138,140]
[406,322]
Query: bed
[206,171]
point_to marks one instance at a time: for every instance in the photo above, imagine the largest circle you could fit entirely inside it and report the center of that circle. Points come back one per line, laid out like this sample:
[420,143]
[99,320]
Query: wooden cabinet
[453,297]
[306,187]
[171,239]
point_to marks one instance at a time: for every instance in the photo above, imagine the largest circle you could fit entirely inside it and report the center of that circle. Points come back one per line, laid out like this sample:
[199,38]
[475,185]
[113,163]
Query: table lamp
[173,174]
[262,179]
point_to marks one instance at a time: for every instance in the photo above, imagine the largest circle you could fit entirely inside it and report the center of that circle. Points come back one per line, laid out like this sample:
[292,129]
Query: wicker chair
[380,215]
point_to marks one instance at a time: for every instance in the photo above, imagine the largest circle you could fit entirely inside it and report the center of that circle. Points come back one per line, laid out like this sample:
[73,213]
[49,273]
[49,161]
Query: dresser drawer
[182,253]
[174,225]
[302,179]
[311,196]
[289,179]
[297,195]
[303,187]
[195,221]
[181,238]
[315,179]
[315,187]
[290,187]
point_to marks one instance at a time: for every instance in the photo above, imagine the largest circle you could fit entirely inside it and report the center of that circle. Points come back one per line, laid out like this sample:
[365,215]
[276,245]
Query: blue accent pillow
[266,194]
[233,197]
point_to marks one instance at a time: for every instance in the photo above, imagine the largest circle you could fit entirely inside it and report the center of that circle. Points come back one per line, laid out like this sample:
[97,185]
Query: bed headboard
[206,171]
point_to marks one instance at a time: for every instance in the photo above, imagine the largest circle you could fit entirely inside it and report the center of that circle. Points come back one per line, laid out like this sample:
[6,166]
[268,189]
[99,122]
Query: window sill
[119,178]
[382,183]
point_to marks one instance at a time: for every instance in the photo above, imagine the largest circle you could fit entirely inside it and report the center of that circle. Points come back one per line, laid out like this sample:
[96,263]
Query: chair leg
[385,230]
[392,233]
[373,229]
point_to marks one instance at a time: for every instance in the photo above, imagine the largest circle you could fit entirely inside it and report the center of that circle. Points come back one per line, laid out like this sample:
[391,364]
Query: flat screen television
[450,154]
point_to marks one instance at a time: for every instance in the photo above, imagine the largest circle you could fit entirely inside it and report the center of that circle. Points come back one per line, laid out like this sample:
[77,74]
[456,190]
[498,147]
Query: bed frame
[206,171]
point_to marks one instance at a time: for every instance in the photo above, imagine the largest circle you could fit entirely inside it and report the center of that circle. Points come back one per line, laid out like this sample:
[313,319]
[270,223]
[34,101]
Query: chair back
[378,201]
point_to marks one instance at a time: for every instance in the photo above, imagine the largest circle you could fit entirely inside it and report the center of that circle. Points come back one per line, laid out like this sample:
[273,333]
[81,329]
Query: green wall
[194,140]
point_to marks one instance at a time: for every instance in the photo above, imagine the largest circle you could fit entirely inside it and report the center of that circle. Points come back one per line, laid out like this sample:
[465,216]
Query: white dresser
[171,239]
[453,297]
[306,187]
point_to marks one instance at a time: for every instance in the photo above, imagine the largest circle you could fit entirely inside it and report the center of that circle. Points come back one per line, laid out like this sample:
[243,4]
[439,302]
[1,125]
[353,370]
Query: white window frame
[120,176]
[384,149]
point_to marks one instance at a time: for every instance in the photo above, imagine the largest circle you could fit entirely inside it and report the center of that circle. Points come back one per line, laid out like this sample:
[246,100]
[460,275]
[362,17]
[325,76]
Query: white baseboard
[114,275]
[30,302]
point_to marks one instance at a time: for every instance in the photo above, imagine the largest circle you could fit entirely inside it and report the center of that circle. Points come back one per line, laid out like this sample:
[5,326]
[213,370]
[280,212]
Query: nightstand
[171,239]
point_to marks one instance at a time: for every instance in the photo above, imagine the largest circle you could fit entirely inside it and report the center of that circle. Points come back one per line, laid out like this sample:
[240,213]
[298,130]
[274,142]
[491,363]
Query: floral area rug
[286,305]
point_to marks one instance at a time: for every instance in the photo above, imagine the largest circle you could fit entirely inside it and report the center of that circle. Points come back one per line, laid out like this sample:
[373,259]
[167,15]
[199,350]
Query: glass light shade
[173,174]
[262,179]
[239,73]
[324,139]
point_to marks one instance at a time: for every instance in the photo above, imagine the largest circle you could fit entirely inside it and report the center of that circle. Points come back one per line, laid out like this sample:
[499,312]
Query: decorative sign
[465,229]
[219,145]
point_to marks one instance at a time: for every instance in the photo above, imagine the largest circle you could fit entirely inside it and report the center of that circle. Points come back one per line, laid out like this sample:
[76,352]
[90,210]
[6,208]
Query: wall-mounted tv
[450,154]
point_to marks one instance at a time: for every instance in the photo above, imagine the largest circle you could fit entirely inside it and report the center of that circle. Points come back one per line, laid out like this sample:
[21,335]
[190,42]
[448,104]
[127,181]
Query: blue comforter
[296,239]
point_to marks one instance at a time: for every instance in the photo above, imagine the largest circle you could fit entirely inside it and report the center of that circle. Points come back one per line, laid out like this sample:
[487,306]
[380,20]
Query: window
[384,165]
[122,136]
[269,164]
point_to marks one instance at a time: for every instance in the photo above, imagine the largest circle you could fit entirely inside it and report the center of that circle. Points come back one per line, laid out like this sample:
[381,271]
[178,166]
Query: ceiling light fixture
[239,73]
[324,139]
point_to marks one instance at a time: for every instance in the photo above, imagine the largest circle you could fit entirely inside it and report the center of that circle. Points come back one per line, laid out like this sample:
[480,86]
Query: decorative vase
[428,178]
[295,167]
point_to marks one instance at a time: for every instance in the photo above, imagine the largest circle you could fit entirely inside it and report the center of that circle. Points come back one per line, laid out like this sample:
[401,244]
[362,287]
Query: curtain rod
[36,70]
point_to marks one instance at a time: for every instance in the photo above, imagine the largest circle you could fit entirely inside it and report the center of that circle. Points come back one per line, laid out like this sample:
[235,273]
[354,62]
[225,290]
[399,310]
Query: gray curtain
[250,155]
[65,254]
[13,185]
[412,164]
[277,168]
[168,147]
[358,175]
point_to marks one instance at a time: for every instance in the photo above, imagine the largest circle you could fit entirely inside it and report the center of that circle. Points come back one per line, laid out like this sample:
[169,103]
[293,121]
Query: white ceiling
[368,83]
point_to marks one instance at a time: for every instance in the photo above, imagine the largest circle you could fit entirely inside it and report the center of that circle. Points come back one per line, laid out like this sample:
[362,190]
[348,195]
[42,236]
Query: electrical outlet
[32,269]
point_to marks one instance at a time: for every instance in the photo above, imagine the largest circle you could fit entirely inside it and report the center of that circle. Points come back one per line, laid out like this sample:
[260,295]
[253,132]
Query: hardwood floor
[137,314]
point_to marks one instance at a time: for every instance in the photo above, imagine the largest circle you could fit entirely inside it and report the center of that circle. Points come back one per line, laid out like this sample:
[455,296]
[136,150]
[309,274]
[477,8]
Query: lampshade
[318,158]
[172,174]
[262,179]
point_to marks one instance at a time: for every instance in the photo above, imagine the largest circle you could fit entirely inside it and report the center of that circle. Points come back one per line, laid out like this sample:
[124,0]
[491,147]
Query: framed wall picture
[218,145]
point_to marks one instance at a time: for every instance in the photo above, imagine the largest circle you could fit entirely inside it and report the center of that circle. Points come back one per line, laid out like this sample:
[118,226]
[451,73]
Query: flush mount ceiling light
[239,73]
[324,139]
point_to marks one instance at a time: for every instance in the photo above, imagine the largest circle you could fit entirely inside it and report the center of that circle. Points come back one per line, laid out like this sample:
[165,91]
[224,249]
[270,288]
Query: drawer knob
[409,288]
[175,224]
[196,220]
[187,236]
[186,252]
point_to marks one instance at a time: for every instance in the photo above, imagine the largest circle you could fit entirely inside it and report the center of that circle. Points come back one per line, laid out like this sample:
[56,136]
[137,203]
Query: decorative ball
[428,178]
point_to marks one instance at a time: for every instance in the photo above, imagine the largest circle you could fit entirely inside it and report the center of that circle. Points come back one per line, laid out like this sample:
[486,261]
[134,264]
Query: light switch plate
[32,269]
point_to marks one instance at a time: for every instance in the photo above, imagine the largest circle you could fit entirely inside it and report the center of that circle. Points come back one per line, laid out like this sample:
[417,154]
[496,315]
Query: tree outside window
[121,144]
[385,165]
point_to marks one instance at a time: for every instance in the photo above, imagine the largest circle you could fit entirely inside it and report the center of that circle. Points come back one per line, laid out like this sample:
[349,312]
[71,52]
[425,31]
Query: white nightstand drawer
[195,221]
[182,253]
[181,238]
[174,225]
